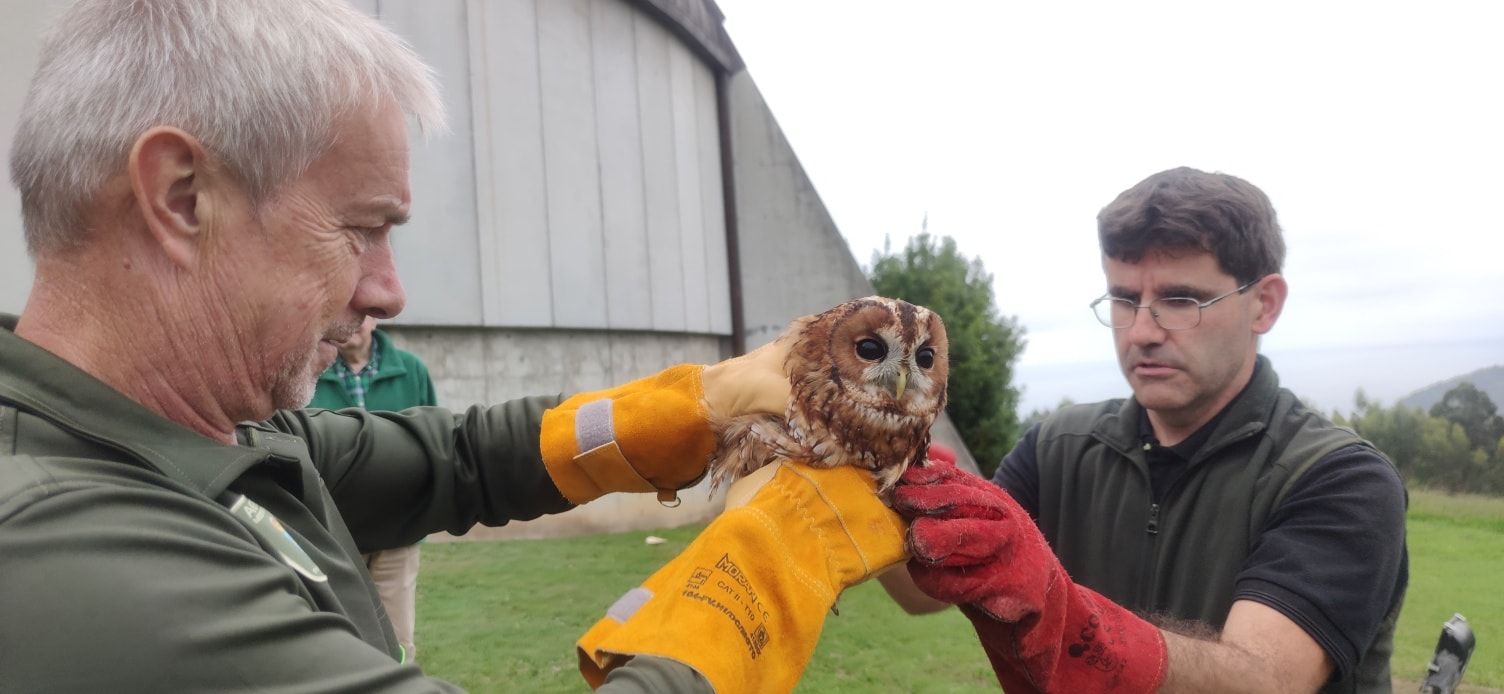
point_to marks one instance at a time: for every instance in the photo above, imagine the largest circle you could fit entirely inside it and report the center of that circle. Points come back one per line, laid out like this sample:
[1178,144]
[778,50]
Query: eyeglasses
[1170,313]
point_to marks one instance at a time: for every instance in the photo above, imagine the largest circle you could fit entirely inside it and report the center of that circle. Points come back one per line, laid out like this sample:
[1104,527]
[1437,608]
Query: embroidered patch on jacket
[270,530]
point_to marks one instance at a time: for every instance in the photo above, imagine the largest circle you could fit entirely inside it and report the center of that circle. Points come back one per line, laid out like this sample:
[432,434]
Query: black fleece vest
[1180,558]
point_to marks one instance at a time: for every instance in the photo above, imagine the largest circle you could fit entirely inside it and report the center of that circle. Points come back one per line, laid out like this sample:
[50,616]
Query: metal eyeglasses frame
[1160,302]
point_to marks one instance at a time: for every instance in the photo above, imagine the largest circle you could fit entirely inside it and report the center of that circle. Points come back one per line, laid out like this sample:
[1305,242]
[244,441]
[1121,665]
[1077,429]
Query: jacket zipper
[1151,541]
[1152,529]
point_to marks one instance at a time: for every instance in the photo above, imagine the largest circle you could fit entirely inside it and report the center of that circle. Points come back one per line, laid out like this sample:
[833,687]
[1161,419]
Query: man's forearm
[900,587]
[443,470]
[1204,666]
[1244,657]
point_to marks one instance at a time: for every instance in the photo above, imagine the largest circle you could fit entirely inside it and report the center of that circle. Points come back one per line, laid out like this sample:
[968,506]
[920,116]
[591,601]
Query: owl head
[868,379]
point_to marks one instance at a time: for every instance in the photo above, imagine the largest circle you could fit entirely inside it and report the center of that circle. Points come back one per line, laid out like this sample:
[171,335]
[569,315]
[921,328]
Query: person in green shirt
[371,374]
[209,190]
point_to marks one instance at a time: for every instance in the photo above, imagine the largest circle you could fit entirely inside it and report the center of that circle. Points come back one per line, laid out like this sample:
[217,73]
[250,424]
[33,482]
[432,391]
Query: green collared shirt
[356,383]
[394,380]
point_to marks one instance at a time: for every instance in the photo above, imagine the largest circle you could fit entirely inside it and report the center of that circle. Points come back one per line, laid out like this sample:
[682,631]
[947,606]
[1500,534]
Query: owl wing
[748,443]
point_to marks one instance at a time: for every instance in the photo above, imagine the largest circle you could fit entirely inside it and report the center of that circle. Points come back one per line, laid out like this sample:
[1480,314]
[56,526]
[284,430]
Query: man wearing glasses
[1209,533]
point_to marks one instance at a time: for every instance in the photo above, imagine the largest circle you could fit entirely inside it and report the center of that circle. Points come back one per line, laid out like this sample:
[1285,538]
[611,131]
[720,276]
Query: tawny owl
[867,380]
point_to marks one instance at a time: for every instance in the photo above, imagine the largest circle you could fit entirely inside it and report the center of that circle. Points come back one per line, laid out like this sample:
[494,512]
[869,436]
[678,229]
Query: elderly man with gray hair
[209,187]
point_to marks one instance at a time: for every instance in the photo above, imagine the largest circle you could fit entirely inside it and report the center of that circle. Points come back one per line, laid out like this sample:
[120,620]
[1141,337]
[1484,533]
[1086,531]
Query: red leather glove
[973,545]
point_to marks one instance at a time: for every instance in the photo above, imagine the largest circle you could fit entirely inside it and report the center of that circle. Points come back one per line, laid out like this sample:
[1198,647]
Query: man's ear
[1270,296]
[167,169]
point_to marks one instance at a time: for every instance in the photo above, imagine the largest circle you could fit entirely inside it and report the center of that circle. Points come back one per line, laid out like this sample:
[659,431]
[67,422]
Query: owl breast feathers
[867,380]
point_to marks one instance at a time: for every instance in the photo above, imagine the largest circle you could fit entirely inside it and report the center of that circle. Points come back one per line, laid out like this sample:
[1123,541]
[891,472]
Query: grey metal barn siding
[579,186]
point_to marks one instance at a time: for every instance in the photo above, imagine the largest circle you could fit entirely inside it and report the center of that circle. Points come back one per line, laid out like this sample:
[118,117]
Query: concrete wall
[471,365]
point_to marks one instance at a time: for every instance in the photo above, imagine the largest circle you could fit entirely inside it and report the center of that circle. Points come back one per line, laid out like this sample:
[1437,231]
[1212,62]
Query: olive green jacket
[137,555]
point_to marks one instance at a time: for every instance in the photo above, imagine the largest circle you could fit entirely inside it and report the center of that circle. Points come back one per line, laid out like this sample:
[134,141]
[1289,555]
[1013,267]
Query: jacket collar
[391,366]
[1246,415]
[38,382]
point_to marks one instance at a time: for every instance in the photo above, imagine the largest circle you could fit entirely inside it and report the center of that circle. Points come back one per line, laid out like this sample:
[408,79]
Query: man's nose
[379,292]
[1144,330]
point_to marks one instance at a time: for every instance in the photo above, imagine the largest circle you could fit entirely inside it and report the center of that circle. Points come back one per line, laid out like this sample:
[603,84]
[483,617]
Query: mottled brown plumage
[867,380]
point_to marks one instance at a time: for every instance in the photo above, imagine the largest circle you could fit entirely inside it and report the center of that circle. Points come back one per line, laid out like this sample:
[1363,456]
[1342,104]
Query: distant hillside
[1489,380]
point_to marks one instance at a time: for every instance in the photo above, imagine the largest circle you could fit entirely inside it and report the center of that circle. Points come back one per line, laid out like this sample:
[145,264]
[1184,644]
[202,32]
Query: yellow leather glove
[745,602]
[757,381]
[656,433]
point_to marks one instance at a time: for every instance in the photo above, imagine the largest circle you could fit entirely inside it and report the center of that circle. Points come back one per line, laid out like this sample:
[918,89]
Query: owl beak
[899,384]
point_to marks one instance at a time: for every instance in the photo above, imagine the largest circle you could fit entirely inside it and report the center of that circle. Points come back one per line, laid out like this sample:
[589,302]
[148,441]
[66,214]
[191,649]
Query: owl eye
[870,349]
[925,358]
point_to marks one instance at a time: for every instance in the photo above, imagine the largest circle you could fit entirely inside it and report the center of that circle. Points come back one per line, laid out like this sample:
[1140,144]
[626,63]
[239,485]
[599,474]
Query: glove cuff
[730,607]
[648,435]
[745,603]
[1080,642]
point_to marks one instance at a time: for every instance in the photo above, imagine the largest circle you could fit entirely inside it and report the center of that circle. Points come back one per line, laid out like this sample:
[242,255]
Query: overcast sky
[1377,129]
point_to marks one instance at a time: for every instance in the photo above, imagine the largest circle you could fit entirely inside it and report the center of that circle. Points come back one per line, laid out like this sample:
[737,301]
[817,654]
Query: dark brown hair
[1189,210]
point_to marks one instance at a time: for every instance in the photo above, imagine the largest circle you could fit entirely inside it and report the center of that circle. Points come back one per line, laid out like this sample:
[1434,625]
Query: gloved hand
[973,546]
[656,433]
[745,602]
[755,382]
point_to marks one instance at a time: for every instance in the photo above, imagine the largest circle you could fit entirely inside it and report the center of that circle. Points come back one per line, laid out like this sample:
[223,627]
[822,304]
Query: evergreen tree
[1447,457]
[1474,411]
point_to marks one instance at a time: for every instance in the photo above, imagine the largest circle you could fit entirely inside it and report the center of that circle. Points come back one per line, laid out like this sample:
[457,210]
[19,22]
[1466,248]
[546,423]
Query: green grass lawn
[1456,565]
[503,616]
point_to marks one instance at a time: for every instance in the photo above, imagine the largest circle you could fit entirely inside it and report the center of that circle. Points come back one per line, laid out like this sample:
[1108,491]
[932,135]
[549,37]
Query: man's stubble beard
[296,380]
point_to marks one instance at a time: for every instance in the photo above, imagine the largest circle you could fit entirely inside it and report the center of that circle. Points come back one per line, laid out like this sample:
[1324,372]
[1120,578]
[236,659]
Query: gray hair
[261,83]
